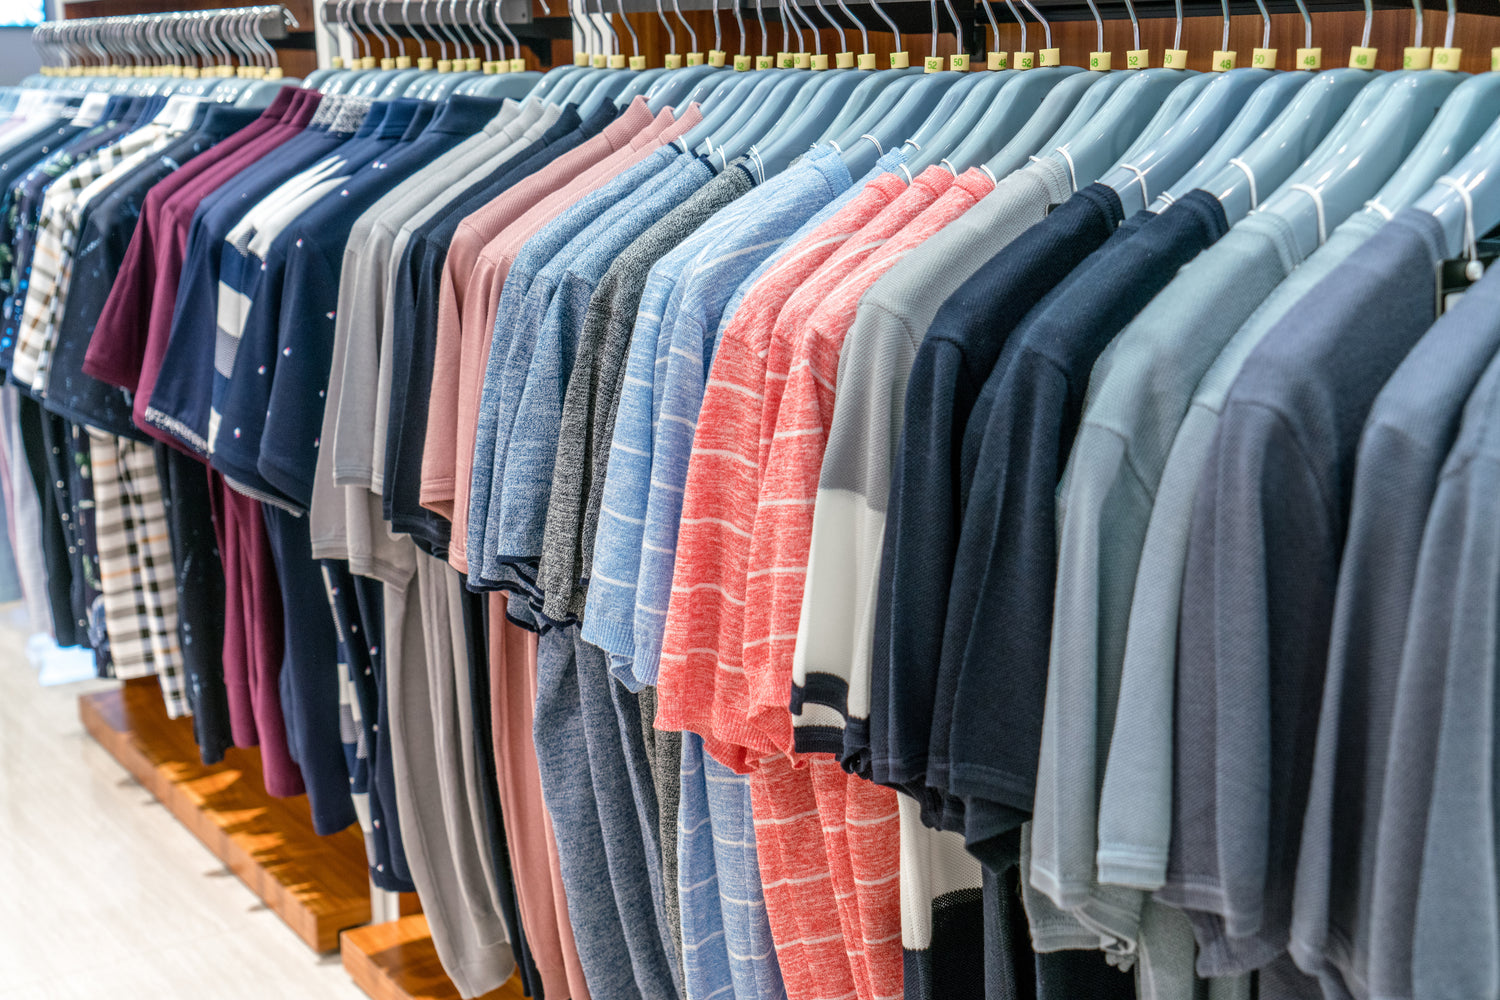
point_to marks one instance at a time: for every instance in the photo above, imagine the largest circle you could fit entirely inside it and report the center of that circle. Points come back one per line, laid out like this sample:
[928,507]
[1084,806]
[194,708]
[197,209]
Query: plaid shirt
[57,232]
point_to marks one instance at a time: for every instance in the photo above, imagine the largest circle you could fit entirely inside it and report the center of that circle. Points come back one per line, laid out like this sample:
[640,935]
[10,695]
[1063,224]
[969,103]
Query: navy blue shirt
[956,357]
[1000,598]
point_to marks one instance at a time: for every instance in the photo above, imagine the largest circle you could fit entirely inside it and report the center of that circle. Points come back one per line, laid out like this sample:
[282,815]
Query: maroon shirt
[119,339]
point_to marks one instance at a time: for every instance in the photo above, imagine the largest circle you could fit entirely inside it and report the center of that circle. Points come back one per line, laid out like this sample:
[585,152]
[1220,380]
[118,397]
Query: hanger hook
[879,10]
[739,19]
[385,44]
[441,43]
[788,26]
[1177,34]
[800,12]
[1265,24]
[385,24]
[843,42]
[1448,28]
[1047,27]
[1416,31]
[1099,24]
[455,35]
[486,33]
[661,13]
[608,24]
[1225,4]
[958,29]
[760,15]
[1369,22]
[693,35]
[515,43]
[864,33]
[635,41]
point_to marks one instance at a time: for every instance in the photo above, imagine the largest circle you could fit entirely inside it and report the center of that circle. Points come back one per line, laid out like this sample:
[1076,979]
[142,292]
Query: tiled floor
[103,895]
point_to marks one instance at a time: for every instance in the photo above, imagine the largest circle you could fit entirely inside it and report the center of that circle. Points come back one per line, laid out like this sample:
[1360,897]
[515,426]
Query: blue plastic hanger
[1321,195]
[1188,137]
[457,72]
[640,80]
[878,91]
[976,100]
[1466,199]
[671,89]
[514,85]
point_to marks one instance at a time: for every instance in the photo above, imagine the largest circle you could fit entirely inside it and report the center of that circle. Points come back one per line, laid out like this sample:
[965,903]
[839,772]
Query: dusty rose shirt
[477,325]
[528,827]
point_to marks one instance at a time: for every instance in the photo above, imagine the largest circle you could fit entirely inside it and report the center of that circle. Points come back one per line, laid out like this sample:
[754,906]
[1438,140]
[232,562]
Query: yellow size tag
[1023,60]
[1223,60]
[785,60]
[368,62]
[600,60]
[191,72]
[1413,57]
[581,59]
[518,65]
[717,58]
[425,62]
[274,73]
[1362,58]
[932,64]
[388,62]
[867,60]
[488,69]
[997,60]
[743,64]
[403,62]
[1495,60]
[765,62]
[1099,60]
[337,62]
[1309,58]
[1138,59]
[1175,59]
[1447,59]
[445,65]
[618,61]
[695,59]
[637,62]
[900,60]
[802,60]
[1049,57]
[819,61]
[843,60]
[1263,59]
[474,65]
[672,60]
[959,63]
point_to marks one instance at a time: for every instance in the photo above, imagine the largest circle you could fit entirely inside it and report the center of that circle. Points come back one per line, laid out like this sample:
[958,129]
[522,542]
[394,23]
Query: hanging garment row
[816,534]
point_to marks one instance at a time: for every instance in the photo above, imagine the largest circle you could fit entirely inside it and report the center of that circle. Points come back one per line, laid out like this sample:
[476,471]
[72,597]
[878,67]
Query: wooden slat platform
[319,885]
[396,961]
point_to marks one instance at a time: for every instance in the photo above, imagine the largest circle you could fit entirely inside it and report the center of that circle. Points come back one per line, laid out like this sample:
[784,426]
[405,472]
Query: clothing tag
[1263,59]
[1175,59]
[997,60]
[786,60]
[932,64]
[959,62]
[765,62]
[1049,57]
[1447,59]
[1455,276]
[1223,61]
[1099,60]
[1138,59]
[1362,58]
[1023,60]
[1309,58]
[1416,57]
[900,60]
[91,108]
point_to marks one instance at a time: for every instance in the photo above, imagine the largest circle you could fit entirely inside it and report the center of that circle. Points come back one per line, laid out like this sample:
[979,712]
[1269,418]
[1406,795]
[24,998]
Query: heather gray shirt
[593,395]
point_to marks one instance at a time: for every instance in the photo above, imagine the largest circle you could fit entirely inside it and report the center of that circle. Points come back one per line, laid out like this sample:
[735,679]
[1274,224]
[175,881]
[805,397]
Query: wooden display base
[319,885]
[396,961]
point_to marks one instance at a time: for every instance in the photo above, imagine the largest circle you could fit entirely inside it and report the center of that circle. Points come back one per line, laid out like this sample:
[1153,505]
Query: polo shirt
[473,354]
[104,239]
[229,282]
[526,450]
[1135,802]
[588,409]
[725,467]
[701,274]
[346,517]
[116,350]
[170,246]
[1273,503]
[1455,900]
[832,667]
[1415,445]
[955,358]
